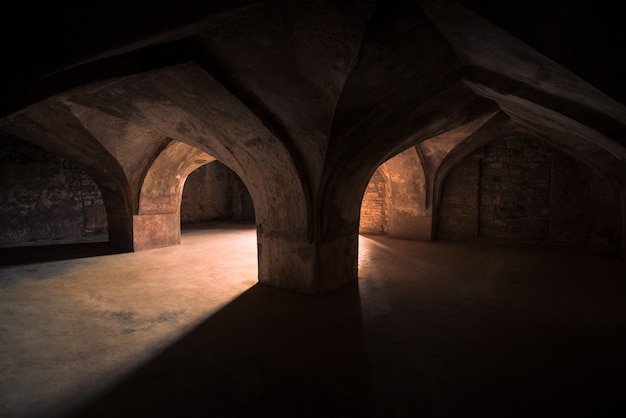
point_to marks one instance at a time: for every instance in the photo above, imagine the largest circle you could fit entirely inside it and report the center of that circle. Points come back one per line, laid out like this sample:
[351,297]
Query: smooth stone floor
[430,330]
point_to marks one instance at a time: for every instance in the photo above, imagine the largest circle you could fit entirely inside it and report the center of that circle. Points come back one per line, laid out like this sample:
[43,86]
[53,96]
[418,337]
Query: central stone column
[156,230]
[290,261]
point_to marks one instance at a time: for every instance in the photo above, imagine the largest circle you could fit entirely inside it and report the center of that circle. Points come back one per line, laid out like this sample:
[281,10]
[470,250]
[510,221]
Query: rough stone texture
[458,215]
[156,230]
[394,202]
[515,190]
[411,180]
[214,192]
[205,195]
[584,210]
[242,207]
[529,192]
[374,217]
[409,214]
[303,99]
[45,197]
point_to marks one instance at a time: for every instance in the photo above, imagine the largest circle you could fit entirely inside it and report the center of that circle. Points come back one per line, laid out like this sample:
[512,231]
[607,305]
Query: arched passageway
[215,192]
[395,200]
[500,185]
[304,117]
[374,217]
[304,100]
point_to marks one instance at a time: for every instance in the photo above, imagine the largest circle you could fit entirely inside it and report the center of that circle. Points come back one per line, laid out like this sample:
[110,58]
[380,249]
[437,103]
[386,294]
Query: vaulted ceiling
[303,99]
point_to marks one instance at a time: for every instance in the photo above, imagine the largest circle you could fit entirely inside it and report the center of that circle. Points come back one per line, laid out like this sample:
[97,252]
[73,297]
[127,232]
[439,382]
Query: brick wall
[458,218]
[583,207]
[515,190]
[214,192]
[44,197]
[374,217]
[529,192]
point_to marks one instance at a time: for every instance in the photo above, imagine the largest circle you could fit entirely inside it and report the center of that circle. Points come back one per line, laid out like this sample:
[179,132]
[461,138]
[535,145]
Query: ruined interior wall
[530,193]
[458,219]
[214,192]
[44,197]
[374,216]
[585,217]
[515,189]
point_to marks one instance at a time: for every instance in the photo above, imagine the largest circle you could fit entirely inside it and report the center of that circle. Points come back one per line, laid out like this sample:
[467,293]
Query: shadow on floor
[42,253]
[268,353]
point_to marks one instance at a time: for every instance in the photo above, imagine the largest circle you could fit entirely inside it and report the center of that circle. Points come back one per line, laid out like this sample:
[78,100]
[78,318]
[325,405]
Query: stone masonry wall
[214,192]
[459,220]
[530,193]
[44,197]
[374,219]
[583,207]
[515,190]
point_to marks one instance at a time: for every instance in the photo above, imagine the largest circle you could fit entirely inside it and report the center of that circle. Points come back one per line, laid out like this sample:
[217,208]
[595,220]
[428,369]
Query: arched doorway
[215,192]
[374,217]
[394,201]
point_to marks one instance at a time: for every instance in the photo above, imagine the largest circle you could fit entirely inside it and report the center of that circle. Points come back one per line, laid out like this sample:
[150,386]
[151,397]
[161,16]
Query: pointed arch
[157,223]
[552,196]
[54,127]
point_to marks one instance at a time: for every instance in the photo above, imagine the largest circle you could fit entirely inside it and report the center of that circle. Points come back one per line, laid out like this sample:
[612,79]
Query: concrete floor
[431,329]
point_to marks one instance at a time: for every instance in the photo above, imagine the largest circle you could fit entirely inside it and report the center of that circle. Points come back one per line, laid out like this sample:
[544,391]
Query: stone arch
[157,223]
[589,146]
[404,203]
[215,192]
[513,186]
[500,124]
[374,215]
[348,172]
[188,104]
[55,128]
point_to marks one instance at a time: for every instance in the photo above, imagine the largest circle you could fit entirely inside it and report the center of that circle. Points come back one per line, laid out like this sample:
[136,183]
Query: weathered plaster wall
[526,191]
[303,99]
[44,197]
[213,192]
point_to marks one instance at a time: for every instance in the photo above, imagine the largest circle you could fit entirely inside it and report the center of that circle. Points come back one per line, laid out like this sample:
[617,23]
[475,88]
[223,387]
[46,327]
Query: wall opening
[215,192]
[45,199]
[374,218]
[394,201]
[521,190]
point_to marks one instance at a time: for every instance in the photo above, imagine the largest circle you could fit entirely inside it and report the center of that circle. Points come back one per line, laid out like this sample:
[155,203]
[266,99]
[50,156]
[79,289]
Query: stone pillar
[156,230]
[120,227]
[622,252]
[290,261]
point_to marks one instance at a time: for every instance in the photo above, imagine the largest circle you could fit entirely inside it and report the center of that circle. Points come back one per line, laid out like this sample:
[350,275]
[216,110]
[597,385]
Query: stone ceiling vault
[302,99]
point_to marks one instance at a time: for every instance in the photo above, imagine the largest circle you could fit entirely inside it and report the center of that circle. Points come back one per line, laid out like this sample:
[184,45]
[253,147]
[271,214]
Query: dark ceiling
[39,38]
[586,37]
